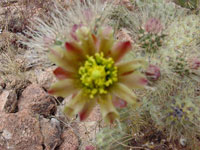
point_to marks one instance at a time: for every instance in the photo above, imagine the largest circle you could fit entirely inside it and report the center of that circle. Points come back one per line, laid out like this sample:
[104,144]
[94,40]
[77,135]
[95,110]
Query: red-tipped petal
[134,80]
[51,91]
[62,74]
[127,68]
[108,110]
[120,50]
[60,57]
[73,48]
[143,81]
[122,91]
[87,109]
[106,40]
[127,73]
[119,103]
[94,38]
[63,88]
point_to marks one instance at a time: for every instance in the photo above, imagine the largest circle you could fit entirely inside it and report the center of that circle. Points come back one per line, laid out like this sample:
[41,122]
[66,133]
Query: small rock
[51,132]
[44,106]
[35,99]
[20,131]
[6,134]
[70,141]
[8,101]
[3,99]
[183,141]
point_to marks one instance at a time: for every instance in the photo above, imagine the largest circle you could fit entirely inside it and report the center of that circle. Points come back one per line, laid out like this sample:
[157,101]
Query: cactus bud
[194,63]
[153,72]
[153,25]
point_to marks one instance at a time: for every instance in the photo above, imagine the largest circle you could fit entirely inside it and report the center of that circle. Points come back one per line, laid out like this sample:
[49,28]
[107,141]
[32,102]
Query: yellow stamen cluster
[97,74]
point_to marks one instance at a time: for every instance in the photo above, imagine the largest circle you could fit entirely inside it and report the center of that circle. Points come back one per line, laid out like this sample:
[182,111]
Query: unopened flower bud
[153,25]
[153,72]
[90,147]
[194,63]
[127,4]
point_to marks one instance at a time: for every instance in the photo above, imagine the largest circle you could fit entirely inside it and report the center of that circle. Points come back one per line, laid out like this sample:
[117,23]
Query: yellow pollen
[97,74]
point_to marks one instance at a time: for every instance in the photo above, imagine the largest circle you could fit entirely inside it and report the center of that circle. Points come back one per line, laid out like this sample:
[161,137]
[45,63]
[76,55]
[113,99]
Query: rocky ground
[30,119]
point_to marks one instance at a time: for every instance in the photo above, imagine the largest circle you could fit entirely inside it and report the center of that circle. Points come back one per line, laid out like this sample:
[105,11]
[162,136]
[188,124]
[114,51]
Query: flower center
[97,74]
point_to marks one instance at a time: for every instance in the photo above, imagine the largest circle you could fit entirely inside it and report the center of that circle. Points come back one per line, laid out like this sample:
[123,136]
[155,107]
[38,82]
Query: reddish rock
[20,131]
[35,99]
[44,106]
[70,140]
[51,132]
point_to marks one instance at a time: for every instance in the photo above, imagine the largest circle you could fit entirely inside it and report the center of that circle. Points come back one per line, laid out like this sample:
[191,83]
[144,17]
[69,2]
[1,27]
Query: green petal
[124,93]
[130,67]
[87,109]
[87,41]
[62,74]
[109,113]
[63,88]
[58,55]
[133,80]
[74,51]
[106,40]
[120,49]
[75,105]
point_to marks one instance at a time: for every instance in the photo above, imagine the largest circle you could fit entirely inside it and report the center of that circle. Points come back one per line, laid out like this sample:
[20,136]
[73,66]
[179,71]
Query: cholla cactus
[151,36]
[180,66]
[116,138]
[89,68]
[183,32]
[186,67]
[150,21]
[120,17]
[192,4]
[180,117]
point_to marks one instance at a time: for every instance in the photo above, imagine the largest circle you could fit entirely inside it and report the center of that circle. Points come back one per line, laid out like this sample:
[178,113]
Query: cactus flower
[89,68]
